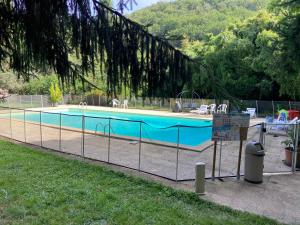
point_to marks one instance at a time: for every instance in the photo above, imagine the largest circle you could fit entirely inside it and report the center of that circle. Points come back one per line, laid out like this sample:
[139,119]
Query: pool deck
[143,111]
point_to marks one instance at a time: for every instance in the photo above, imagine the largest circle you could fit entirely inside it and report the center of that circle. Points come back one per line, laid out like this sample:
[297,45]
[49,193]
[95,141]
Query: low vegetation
[40,188]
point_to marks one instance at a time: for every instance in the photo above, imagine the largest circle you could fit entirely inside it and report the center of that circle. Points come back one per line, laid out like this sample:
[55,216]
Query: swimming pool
[192,132]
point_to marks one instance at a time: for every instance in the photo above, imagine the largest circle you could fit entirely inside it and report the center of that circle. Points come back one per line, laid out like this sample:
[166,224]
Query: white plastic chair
[212,108]
[115,103]
[202,110]
[125,104]
[222,108]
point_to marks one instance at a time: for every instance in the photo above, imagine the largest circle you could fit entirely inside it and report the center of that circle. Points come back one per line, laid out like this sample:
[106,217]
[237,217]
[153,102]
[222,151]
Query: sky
[141,4]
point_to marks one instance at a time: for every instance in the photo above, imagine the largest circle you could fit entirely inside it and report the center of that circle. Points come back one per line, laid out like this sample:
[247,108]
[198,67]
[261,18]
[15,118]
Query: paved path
[278,197]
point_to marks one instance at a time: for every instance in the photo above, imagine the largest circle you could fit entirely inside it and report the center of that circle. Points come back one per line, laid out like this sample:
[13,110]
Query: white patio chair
[222,108]
[212,108]
[202,110]
[125,104]
[116,103]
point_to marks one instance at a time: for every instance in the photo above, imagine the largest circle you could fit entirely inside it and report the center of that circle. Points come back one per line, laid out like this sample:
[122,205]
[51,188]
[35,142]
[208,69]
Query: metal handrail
[104,126]
[82,105]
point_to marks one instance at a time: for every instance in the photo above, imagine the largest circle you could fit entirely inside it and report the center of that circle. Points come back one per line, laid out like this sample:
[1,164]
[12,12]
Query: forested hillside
[195,19]
[244,48]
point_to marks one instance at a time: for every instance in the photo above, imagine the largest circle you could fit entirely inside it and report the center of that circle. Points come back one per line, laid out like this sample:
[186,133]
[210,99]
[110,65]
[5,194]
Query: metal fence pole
[42,103]
[256,108]
[41,134]
[83,135]
[31,100]
[295,153]
[220,159]
[24,126]
[108,153]
[60,132]
[10,124]
[273,108]
[140,146]
[290,105]
[261,134]
[177,156]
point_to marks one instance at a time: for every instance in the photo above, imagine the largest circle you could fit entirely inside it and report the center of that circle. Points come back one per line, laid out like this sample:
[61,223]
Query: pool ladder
[104,126]
[83,105]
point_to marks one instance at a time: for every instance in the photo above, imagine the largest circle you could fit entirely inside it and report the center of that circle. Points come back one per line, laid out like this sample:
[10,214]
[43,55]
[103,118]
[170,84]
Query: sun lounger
[202,110]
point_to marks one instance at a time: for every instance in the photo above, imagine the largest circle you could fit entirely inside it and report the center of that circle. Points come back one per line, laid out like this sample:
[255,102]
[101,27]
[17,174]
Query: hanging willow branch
[43,34]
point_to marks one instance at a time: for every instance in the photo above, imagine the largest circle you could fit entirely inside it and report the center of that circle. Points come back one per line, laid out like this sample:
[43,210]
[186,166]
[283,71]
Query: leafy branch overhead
[41,35]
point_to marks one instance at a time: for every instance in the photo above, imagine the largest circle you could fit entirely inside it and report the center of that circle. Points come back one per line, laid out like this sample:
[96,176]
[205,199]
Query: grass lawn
[40,188]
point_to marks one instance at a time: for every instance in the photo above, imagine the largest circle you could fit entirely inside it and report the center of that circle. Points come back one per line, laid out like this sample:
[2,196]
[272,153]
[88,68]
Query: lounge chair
[251,111]
[280,124]
[116,103]
[202,110]
[212,108]
[222,108]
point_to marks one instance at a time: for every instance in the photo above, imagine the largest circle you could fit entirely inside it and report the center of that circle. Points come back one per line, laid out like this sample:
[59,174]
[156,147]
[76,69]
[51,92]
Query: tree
[55,93]
[39,36]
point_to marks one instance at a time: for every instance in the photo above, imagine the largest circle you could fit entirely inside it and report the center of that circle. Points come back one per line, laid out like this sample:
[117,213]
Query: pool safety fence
[140,151]
[263,108]
[95,138]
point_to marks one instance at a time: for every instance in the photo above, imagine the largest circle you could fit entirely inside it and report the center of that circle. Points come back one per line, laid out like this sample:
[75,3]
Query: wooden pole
[214,160]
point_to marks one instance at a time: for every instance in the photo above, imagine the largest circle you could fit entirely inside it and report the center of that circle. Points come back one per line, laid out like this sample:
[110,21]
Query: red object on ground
[293,114]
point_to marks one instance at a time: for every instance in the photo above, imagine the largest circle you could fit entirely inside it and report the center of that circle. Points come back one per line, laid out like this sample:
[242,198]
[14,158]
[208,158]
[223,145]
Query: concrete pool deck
[143,111]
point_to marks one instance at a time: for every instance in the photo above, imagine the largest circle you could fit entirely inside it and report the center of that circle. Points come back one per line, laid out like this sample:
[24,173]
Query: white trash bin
[254,162]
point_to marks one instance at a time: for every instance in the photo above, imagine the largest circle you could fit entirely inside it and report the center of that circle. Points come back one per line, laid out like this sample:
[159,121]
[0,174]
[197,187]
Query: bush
[55,93]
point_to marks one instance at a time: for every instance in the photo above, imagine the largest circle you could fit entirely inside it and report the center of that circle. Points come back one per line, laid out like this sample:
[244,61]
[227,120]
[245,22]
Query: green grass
[41,188]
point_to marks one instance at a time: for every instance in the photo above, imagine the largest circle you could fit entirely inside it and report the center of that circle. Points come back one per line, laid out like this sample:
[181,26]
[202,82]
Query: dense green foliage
[195,19]
[39,188]
[55,95]
[254,58]
[41,36]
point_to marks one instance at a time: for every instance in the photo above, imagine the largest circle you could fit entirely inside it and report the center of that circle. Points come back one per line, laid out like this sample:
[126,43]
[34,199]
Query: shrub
[55,93]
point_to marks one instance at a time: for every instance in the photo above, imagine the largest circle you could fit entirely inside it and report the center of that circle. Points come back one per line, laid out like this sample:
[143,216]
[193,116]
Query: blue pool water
[154,128]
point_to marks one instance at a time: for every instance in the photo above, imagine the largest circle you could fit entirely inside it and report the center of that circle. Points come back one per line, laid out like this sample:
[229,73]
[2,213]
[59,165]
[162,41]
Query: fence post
[42,103]
[41,134]
[177,156]
[60,132]
[220,159]
[108,153]
[10,124]
[20,98]
[256,108]
[31,100]
[273,108]
[83,130]
[140,146]
[261,134]
[99,100]
[290,105]
[295,153]
[24,126]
